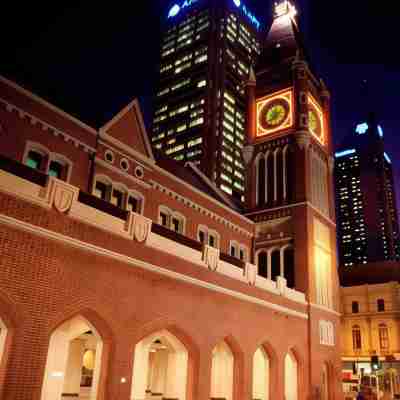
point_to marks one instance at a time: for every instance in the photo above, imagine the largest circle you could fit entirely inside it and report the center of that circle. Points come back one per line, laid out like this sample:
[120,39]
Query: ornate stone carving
[61,195]
[140,227]
[211,257]
[251,273]
[248,152]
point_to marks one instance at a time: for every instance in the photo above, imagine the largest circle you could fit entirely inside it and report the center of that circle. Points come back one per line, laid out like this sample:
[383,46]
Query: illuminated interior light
[380,131]
[237,3]
[362,128]
[345,153]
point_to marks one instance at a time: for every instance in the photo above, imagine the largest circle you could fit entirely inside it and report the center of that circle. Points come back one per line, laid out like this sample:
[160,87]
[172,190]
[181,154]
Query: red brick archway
[192,349]
[106,335]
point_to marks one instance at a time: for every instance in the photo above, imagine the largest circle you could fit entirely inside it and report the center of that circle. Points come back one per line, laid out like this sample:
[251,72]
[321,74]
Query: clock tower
[289,193]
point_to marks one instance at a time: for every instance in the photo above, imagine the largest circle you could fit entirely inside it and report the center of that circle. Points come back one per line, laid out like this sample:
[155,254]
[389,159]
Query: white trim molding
[90,248]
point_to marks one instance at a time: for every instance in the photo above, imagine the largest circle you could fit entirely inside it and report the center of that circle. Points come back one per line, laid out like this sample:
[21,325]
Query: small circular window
[124,164]
[139,173]
[109,156]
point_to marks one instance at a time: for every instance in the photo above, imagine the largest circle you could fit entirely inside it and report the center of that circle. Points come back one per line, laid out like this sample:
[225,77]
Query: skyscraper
[368,228]
[206,53]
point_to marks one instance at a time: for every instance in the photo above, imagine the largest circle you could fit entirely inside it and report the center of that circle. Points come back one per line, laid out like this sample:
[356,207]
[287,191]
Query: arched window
[355,308]
[383,337]
[381,305]
[171,220]
[119,196]
[289,267]
[261,181]
[279,176]
[357,345]
[102,188]
[270,178]
[263,264]
[275,264]
[35,160]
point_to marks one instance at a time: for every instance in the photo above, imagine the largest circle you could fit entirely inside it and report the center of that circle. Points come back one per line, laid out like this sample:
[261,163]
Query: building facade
[371,328]
[368,227]
[200,105]
[128,276]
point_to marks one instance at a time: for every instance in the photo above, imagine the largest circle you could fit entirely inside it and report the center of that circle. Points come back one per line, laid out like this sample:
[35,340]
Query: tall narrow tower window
[261,181]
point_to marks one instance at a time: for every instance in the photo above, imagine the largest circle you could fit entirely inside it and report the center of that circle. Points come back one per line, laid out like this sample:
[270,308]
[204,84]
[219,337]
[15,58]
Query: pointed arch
[270,178]
[166,325]
[260,168]
[262,263]
[279,175]
[291,377]
[7,327]
[160,367]
[69,338]
[326,381]
[226,369]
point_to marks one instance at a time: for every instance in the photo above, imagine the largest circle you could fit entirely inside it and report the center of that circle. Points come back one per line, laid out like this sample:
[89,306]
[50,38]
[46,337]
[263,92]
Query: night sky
[92,58]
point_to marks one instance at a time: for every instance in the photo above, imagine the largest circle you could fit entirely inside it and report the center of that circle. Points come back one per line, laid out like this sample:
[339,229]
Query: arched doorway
[160,368]
[325,382]
[73,361]
[261,369]
[291,377]
[222,372]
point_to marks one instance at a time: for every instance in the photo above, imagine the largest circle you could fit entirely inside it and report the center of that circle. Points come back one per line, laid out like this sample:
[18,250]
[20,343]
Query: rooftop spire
[285,8]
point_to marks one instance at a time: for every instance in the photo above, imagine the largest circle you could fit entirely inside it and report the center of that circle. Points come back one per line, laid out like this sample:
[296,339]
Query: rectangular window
[164,219]
[133,204]
[176,225]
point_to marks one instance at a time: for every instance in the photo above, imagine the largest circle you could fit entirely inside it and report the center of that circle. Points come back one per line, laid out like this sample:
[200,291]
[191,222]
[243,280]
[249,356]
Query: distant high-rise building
[368,228]
[199,115]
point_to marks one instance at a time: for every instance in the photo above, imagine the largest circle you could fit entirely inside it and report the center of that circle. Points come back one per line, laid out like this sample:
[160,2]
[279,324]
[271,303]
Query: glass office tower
[206,53]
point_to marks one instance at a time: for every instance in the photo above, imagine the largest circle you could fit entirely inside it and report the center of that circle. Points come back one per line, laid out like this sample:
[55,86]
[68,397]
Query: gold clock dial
[274,114]
[314,123]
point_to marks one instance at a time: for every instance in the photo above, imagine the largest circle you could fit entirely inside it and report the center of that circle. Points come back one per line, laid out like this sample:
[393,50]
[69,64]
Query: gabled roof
[190,174]
[128,129]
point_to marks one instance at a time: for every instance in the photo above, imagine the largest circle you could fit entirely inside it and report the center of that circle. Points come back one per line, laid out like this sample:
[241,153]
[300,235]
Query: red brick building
[124,276]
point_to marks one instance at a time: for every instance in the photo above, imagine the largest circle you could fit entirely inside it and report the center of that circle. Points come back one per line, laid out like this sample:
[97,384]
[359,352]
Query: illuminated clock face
[274,114]
[314,123]
[316,120]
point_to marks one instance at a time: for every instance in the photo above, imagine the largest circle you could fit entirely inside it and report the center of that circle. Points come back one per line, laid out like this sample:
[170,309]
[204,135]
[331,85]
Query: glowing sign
[176,8]
[362,128]
[345,153]
[380,131]
[387,158]
[253,19]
